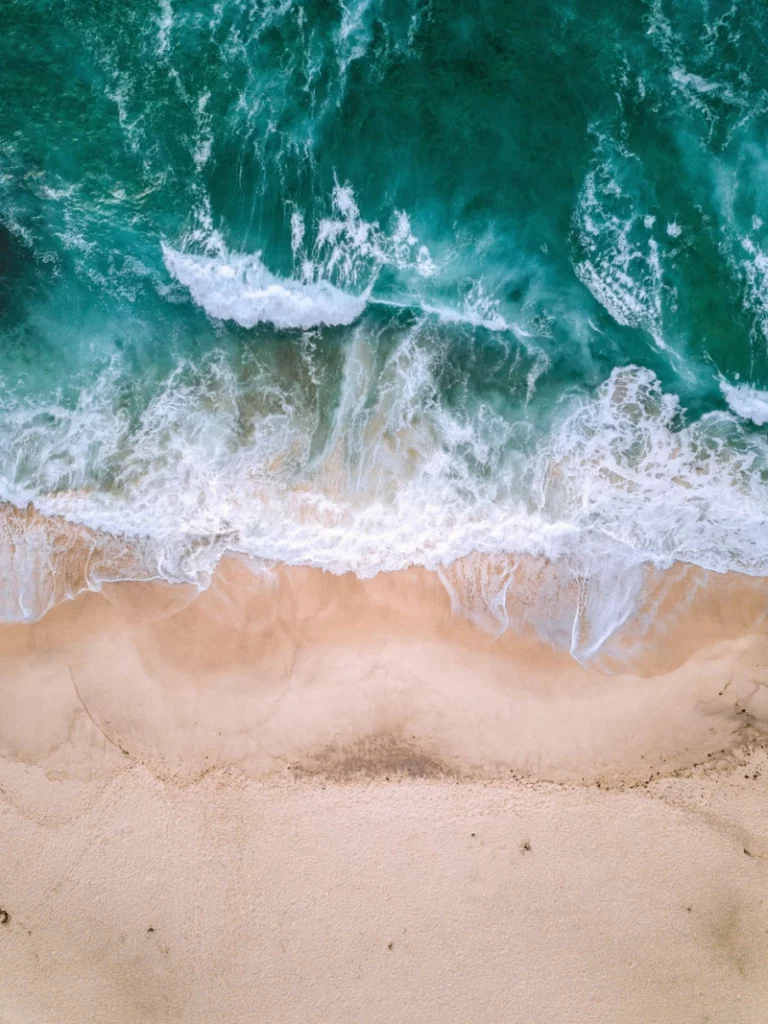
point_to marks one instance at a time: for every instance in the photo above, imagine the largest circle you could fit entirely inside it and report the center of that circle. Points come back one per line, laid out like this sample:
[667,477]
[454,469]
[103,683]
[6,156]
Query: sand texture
[303,798]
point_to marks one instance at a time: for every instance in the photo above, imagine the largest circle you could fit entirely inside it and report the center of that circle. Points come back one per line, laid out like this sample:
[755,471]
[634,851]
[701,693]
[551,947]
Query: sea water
[384,283]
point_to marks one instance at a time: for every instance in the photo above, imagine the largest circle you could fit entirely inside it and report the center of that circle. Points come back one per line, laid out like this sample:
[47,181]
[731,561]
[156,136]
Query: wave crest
[240,288]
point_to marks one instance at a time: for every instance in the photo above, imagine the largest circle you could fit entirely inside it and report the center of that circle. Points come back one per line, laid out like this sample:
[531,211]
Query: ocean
[385,283]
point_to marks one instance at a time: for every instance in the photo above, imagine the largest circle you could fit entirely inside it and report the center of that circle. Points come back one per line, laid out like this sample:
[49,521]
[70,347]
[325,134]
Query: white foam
[297,231]
[754,269]
[221,462]
[164,25]
[203,146]
[336,262]
[350,249]
[622,271]
[237,286]
[684,45]
[490,318]
[687,80]
[354,33]
[699,92]
[474,312]
[747,402]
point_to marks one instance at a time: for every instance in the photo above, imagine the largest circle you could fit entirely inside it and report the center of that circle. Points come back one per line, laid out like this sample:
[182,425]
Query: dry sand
[319,800]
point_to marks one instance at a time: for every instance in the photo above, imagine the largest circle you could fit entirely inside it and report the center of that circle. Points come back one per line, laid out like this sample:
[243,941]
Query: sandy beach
[306,798]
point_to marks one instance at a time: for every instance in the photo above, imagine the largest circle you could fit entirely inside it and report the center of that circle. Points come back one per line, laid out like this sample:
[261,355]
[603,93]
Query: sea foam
[747,402]
[617,262]
[239,287]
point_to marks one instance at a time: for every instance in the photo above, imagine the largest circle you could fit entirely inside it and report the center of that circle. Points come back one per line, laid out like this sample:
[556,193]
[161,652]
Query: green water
[387,283]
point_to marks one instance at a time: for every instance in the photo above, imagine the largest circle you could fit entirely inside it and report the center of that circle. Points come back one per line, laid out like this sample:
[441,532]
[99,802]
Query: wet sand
[299,797]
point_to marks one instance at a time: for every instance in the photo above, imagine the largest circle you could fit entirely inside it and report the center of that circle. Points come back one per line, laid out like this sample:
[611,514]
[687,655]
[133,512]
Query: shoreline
[338,675]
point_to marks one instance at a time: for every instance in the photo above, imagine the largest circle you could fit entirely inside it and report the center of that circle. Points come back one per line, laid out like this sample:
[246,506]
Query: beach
[383,512]
[300,797]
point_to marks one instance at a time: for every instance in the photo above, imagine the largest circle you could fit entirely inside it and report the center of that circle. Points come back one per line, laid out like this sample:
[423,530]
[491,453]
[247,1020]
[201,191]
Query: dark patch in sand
[381,755]
[728,932]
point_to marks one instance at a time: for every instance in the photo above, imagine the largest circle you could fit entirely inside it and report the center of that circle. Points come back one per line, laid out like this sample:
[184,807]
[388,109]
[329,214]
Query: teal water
[386,283]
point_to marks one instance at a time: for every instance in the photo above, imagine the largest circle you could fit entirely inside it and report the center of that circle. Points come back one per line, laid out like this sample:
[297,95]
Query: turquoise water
[387,283]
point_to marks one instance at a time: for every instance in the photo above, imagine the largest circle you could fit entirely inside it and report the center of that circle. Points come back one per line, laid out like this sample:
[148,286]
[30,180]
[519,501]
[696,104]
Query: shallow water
[388,283]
